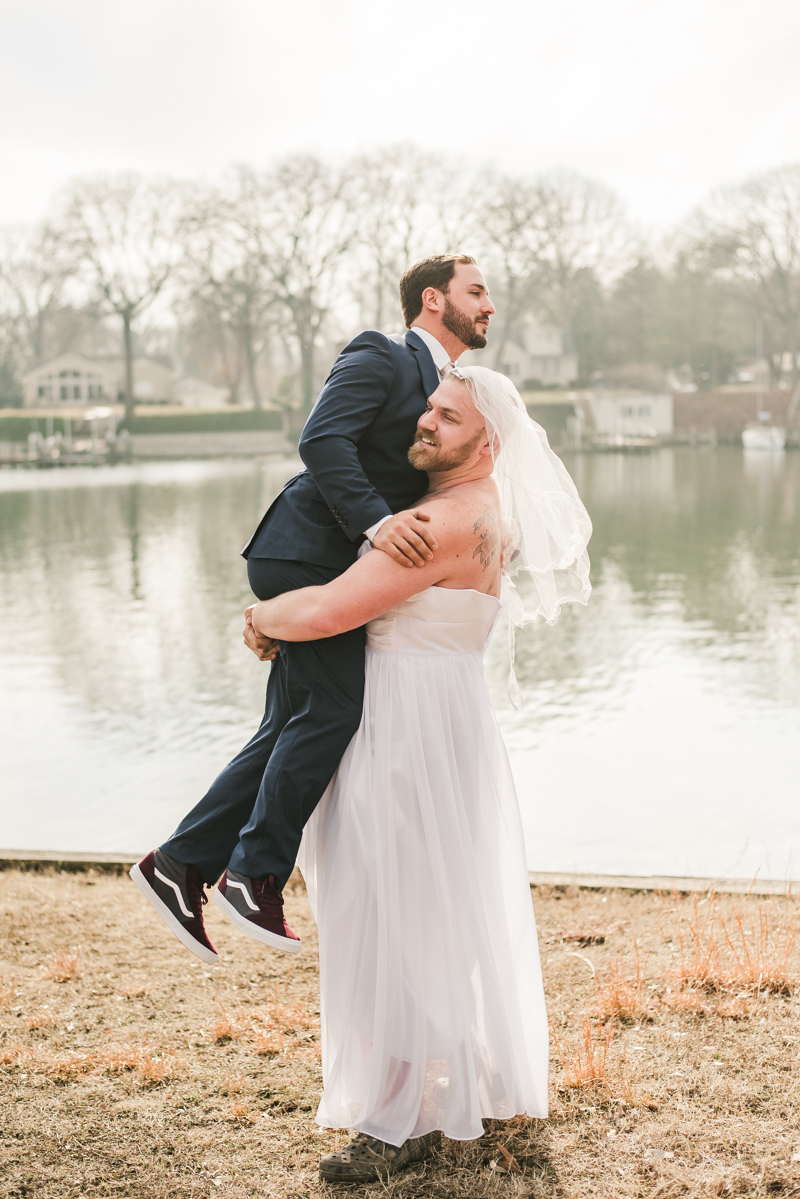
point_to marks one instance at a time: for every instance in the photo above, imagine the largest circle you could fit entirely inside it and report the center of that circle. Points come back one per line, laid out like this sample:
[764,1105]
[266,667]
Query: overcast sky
[661,99]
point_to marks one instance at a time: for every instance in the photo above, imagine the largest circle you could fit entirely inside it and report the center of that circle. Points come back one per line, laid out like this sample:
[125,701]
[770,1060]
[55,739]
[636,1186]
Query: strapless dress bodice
[440,620]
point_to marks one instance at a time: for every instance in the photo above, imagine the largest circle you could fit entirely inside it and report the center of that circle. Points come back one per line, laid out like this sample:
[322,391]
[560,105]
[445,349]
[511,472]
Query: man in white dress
[432,1002]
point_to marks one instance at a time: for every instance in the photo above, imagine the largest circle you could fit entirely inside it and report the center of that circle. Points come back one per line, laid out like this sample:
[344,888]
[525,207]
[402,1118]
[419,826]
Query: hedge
[16,427]
[209,422]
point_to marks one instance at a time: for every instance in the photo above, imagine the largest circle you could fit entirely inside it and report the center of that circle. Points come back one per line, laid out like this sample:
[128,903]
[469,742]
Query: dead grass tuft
[64,965]
[287,1027]
[268,1042]
[621,998]
[283,1026]
[230,1028]
[148,1067]
[8,991]
[12,1053]
[736,949]
[233,1086]
[39,1020]
[586,1067]
[239,1112]
[583,1065]
[155,1069]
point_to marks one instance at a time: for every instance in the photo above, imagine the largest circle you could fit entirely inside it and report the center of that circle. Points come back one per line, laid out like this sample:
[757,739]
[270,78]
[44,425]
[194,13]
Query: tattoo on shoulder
[488,546]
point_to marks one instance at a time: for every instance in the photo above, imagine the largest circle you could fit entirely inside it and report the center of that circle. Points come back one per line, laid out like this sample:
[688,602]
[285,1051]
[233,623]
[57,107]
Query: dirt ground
[127,1068]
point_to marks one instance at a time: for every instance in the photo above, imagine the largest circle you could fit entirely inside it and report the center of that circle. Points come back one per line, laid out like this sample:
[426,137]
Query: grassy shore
[127,1068]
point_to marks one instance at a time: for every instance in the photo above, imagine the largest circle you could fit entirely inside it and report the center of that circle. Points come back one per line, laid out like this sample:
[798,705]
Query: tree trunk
[129,396]
[250,358]
[510,316]
[307,371]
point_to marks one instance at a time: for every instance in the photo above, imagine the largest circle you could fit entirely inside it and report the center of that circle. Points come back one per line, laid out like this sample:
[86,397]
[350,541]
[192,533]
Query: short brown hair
[436,271]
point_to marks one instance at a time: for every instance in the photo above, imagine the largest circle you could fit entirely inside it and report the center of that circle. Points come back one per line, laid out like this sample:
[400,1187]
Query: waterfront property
[631,414]
[72,379]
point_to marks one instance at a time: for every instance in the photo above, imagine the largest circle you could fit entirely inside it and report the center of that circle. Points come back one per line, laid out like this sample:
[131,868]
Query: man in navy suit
[358,486]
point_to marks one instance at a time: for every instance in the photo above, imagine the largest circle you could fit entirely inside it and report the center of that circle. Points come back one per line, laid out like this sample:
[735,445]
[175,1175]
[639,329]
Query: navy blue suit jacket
[354,445]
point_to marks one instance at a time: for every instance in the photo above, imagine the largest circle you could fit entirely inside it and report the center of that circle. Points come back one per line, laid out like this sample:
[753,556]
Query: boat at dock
[760,436]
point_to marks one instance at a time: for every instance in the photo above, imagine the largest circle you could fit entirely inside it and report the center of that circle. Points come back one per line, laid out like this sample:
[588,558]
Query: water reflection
[660,729]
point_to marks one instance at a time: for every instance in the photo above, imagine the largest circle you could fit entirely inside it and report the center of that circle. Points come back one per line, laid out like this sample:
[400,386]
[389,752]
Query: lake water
[661,726]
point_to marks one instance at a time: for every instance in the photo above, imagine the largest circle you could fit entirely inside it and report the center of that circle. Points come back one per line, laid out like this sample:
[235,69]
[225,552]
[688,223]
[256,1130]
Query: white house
[70,379]
[75,380]
[630,415]
[531,353]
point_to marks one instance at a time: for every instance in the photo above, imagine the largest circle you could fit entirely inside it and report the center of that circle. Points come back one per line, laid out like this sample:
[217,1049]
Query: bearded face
[470,331]
[426,453]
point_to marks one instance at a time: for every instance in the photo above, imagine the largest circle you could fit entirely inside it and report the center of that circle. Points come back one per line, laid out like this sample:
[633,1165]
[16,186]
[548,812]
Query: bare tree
[515,240]
[548,241]
[227,270]
[302,214]
[34,268]
[752,232]
[583,229]
[126,233]
[396,200]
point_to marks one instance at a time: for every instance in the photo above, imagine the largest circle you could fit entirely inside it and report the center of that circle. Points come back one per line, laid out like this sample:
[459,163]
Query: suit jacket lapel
[427,368]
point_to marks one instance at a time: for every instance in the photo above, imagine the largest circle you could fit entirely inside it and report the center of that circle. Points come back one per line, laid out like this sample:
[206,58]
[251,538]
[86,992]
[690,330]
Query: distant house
[531,355]
[631,415]
[75,380]
[69,379]
[196,393]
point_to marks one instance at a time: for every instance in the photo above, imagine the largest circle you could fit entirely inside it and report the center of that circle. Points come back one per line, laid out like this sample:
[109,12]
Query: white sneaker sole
[252,930]
[174,925]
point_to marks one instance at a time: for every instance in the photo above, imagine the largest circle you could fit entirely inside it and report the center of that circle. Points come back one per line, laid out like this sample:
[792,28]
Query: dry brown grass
[145,1075]
[583,1064]
[620,996]
[8,991]
[149,1066]
[744,947]
[64,966]
[42,1019]
[283,1026]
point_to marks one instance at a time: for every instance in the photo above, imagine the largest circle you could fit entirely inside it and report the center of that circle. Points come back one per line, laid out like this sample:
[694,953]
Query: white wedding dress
[433,1011]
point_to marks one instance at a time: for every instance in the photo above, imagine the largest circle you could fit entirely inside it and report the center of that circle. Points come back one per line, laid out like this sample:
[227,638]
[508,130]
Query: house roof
[111,368]
[68,361]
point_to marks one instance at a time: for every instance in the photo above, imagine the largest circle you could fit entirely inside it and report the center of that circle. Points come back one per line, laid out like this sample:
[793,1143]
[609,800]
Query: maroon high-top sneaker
[177,895]
[256,907]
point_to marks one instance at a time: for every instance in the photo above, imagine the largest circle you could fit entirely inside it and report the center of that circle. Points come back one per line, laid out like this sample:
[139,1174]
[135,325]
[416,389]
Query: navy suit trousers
[251,819]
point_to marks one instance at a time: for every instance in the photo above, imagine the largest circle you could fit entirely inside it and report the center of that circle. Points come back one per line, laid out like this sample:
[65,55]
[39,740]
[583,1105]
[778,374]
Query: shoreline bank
[37,859]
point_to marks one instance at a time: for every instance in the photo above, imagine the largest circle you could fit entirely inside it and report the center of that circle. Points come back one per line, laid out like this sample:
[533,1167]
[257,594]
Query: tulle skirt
[433,1011]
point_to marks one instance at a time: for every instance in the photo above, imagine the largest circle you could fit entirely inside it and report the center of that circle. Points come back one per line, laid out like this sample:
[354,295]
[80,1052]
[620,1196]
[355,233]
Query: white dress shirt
[441,359]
